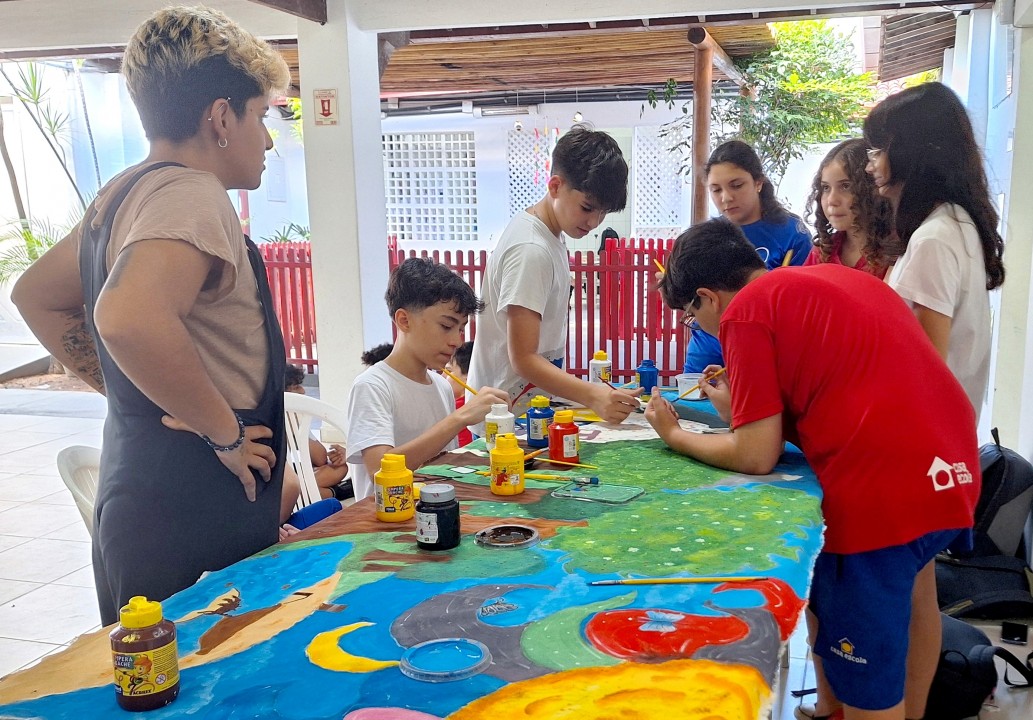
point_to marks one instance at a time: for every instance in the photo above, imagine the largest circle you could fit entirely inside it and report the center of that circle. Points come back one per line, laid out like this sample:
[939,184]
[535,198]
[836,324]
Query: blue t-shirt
[773,241]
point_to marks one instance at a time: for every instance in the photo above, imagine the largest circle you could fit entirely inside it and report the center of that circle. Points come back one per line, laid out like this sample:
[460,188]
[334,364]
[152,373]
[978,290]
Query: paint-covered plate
[445,659]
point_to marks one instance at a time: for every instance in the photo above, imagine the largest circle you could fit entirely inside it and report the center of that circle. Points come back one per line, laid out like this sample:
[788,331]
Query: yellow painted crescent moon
[324,652]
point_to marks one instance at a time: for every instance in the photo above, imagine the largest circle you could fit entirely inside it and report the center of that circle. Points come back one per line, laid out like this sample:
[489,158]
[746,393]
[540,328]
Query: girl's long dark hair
[740,154]
[934,158]
[874,215]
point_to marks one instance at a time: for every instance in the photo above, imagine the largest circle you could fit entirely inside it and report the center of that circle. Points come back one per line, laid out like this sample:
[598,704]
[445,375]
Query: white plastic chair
[300,410]
[79,466]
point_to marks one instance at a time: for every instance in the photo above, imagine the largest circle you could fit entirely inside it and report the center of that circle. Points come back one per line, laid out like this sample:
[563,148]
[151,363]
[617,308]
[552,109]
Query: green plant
[804,91]
[292,232]
[30,240]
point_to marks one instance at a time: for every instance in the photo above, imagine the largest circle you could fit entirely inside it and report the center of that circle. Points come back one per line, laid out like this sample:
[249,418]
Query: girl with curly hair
[853,222]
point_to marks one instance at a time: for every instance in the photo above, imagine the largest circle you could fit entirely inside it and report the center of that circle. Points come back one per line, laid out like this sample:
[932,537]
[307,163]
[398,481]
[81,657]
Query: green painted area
[470,560]
[705,532]
[648,464]
[499,509]
[557,643]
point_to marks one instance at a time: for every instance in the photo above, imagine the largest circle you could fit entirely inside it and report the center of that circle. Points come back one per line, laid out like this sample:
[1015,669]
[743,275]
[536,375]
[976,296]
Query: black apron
[167,509]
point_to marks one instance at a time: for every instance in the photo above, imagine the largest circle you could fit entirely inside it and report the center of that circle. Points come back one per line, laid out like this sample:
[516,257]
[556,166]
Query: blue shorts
[863,605]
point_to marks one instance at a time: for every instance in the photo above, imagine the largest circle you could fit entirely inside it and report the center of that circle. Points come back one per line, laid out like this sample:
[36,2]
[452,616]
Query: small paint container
[687,381]
[437,518]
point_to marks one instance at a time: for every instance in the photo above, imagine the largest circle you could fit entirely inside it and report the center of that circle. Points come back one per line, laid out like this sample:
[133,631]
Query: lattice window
[431,185]
[529,154]
[657,194]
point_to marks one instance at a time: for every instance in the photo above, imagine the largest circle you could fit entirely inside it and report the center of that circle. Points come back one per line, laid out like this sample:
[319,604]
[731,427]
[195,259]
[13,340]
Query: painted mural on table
[317,628]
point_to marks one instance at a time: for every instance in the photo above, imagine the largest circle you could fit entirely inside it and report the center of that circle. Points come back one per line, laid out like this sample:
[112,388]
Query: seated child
[399,405]
[376,353]
[330,466]
[459,366]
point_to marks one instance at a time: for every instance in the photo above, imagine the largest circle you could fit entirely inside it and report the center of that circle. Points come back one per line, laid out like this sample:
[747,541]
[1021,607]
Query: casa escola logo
[946,475]
[845,649]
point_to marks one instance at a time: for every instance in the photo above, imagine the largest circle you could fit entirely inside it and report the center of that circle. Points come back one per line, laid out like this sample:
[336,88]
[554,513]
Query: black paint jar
[437,518]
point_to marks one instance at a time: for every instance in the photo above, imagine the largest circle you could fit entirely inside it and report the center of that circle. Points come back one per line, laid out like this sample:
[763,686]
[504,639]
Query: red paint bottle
[564,438]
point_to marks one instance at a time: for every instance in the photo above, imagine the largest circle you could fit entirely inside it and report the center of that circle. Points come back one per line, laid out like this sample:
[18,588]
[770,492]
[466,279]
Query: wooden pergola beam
[314,10]
[702,40]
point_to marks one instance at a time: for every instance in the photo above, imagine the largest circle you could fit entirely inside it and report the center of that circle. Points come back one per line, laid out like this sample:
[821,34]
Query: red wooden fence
[613,305]
[289,269]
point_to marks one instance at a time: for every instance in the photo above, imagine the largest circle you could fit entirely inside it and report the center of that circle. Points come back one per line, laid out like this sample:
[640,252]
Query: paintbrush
[458,381]
[564,462]
[535,476]
[676,580]
[535,454]
[787,258]
[662,267]
[698,385]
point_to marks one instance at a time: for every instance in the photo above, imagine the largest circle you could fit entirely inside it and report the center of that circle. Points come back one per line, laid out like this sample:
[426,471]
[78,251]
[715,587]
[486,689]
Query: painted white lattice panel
[431,185]
[528,153]
[657,194]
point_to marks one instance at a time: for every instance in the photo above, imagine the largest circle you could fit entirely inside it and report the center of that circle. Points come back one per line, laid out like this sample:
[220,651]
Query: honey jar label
[146,673]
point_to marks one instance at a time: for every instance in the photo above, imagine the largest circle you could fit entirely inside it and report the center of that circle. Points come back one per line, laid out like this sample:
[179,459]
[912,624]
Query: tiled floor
[46,582]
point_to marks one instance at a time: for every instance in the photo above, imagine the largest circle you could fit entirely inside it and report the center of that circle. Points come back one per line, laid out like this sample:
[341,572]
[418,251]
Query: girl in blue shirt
[742,192]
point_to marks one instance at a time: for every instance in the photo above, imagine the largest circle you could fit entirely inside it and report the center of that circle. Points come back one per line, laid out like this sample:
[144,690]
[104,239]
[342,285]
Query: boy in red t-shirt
[834,361]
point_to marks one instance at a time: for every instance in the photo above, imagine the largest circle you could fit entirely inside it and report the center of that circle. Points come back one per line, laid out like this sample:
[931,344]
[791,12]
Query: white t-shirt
[944,270]
[387,408]
[529,268]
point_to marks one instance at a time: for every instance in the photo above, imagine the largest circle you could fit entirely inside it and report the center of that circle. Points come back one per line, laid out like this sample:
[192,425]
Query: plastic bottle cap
[599,355]
[540,401]
[392,463]
[140,612]
[564,416]
[438,493]
[648,363]
[507,441]
[500,409]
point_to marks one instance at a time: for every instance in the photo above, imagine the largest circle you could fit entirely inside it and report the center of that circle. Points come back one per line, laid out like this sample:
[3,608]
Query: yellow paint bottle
[507,466]
[392,488]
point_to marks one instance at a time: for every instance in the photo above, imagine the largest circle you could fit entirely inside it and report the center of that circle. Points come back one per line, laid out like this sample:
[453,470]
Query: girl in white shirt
[923,157]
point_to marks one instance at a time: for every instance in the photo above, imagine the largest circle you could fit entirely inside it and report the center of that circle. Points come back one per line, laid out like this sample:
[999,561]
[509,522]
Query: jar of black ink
[437,518]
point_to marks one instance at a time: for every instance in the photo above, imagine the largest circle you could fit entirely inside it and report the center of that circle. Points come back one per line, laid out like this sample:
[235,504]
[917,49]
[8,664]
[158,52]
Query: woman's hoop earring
[223,142]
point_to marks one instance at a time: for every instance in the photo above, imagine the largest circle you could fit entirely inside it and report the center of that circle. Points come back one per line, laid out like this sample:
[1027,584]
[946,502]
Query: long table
[315,627]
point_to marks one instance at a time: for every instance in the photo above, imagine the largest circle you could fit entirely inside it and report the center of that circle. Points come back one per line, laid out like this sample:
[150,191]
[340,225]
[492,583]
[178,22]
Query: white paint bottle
[499,421]
[599,368]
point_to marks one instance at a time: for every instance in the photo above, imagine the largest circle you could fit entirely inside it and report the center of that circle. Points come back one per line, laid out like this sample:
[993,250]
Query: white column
[959,73]
[1013,400]
[977,98]
[948,67]
[345,175]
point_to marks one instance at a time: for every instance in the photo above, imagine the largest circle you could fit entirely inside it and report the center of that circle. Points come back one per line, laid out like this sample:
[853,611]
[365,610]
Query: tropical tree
[804,91]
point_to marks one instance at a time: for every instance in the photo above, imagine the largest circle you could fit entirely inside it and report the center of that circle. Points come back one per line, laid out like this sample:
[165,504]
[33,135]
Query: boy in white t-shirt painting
[522,338]
[400,405]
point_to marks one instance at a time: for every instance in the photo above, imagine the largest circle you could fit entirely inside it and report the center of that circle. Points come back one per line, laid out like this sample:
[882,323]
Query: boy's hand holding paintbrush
[714,387]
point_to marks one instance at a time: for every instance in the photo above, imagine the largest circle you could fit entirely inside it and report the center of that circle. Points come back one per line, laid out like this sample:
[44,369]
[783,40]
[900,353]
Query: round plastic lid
[507,536]
[540,401]
[599,355]
[139,613]
[437,493]
[445,660]
[563,416]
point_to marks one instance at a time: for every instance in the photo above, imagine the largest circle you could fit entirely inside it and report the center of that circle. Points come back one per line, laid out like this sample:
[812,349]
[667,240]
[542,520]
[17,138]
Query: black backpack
[994,580]
[966,675]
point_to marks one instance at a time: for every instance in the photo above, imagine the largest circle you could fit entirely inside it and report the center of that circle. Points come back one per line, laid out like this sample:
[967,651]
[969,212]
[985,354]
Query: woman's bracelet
[233,446]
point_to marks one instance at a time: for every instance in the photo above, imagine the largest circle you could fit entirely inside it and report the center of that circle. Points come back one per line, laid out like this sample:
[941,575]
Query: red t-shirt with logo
[886,427]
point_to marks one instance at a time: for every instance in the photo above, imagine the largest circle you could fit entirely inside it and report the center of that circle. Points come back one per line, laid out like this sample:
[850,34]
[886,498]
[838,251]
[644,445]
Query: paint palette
[507,536]
[445,660]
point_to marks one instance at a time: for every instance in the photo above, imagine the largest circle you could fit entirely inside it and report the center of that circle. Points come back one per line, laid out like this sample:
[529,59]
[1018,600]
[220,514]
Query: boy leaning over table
[522,336]
[832,360]
[399,405]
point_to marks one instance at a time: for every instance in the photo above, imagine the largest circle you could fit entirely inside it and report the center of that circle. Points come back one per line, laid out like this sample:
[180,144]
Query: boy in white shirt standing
[399,405]
[522,338]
